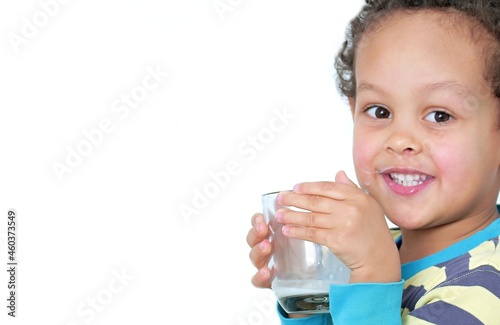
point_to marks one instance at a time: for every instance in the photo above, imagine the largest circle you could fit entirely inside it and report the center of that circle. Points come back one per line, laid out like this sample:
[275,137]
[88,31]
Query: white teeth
[408,180]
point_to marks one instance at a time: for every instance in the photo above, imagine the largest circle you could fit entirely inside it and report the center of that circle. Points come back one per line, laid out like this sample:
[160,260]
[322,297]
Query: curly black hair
[484,15]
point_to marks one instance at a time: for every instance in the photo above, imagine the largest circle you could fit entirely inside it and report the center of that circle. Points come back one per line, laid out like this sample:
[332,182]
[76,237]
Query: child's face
[426,141]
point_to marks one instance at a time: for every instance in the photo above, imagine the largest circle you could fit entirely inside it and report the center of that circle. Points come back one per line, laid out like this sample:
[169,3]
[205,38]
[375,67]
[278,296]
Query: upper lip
[403,170]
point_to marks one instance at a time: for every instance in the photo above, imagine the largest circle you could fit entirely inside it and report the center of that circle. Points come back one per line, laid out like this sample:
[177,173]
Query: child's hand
[260,252]
[346,220]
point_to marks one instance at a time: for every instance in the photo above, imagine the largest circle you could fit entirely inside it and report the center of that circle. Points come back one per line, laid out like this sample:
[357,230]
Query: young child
[423,82]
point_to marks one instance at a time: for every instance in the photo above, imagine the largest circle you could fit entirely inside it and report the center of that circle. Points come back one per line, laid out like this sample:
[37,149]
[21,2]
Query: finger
[262,279]
[259,230]
[316,235]
[337,190]
[260,254]
[257,217]
[311,202]
[305,219]
[341,177]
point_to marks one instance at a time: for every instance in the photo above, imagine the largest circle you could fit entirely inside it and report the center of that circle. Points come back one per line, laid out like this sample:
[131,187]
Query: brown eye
[378,112]
[438,117]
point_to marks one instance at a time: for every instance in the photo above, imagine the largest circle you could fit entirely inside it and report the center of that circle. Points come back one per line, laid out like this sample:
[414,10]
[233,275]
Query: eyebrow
[366,86]
[452,87]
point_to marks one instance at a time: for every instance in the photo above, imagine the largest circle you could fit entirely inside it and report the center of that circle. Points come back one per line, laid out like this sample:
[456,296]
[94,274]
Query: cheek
[454,162]
[361,153]
[364,152]
[446,161]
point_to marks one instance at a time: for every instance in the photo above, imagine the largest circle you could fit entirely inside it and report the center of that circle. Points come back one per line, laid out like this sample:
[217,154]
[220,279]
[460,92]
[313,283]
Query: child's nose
[403,139]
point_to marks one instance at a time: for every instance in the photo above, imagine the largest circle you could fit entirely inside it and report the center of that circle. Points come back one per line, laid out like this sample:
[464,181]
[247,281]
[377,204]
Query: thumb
[341,177]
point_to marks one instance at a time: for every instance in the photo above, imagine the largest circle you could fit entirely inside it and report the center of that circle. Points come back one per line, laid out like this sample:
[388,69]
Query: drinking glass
[302,271]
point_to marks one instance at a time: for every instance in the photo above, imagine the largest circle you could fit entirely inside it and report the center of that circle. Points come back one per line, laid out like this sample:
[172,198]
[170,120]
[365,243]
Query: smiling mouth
[408,180]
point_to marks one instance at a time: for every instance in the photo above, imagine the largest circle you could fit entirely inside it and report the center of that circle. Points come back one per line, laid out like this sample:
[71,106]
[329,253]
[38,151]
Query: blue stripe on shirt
[434,312]
[484,276]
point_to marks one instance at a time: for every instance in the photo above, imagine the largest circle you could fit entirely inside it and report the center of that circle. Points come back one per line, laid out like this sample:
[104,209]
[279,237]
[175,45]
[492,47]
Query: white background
[119,209]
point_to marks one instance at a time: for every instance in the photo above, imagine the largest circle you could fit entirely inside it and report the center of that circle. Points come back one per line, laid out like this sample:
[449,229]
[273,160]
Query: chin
[408,221]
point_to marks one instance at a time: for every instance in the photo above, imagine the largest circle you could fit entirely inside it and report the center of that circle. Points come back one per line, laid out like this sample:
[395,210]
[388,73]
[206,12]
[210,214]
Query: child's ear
[352,104]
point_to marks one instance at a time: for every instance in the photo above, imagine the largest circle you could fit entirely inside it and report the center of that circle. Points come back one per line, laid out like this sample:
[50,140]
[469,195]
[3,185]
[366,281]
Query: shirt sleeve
[366,303]
[357,304]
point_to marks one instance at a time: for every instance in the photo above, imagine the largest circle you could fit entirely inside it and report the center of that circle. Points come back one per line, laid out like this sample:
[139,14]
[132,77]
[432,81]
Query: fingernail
[279,216]
[285,230]
[258,226]
[296,188]
[280,198]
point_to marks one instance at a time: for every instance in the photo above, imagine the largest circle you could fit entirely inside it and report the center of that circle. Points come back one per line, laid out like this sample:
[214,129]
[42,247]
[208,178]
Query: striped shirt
[459,285]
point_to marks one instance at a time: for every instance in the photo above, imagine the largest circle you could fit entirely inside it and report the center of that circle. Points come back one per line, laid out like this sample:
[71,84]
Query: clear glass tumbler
[302,271]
